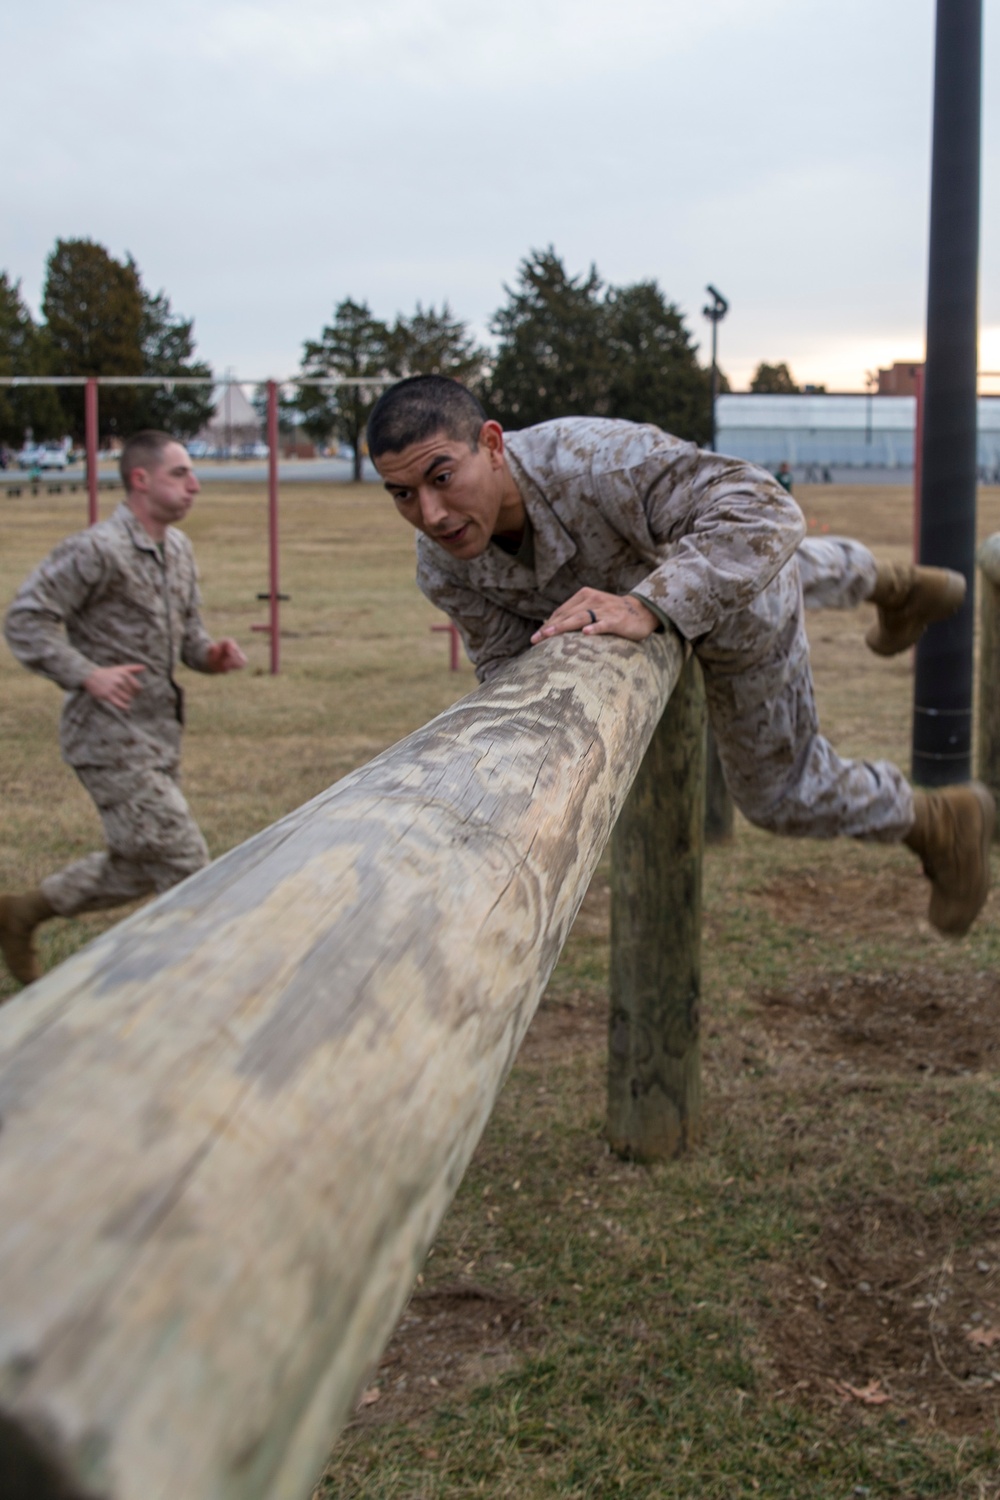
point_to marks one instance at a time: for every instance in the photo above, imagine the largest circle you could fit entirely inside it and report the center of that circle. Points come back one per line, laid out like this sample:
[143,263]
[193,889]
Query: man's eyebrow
[442,458]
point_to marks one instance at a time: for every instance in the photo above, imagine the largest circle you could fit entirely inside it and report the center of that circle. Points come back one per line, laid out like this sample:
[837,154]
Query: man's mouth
[455,535]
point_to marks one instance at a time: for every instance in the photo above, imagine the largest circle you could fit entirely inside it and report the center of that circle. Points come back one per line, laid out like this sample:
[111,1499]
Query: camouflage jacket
[626,509]
[102,598]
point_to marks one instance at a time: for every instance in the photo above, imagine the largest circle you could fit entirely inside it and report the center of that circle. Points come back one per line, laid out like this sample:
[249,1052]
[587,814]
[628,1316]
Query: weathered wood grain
[654,1065]
[719,811]
[231,1126]
[988,757]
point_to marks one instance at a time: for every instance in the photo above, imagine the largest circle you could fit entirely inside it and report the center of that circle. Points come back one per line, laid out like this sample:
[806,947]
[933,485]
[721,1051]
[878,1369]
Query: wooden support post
[988,758]
[232,1124]
[654,1068]
[719,813]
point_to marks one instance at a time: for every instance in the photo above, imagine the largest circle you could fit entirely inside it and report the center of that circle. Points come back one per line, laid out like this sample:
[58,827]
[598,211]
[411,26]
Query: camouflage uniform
[105,597]
[708,543]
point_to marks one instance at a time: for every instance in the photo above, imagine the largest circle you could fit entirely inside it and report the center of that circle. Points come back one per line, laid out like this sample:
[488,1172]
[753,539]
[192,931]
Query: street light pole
[942,697]
[714,312]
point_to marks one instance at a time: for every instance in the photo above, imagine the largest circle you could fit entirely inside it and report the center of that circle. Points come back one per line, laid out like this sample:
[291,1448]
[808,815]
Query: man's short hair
[143,450]
[416,408]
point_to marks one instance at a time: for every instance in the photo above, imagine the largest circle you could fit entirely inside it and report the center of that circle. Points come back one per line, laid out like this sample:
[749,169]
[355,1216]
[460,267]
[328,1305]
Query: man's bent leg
[783,775]
[786,777]
[153,842]
[836,572]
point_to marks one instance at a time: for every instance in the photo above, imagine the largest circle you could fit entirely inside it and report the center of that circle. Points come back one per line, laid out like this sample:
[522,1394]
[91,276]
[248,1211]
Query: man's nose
[432,507]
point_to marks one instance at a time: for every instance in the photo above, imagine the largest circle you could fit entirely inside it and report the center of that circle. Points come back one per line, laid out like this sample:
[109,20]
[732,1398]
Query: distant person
[612,528]
[784,477]
[107,616]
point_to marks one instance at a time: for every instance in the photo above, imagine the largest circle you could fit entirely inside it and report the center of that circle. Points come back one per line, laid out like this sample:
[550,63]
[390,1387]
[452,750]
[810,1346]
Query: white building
[847,432]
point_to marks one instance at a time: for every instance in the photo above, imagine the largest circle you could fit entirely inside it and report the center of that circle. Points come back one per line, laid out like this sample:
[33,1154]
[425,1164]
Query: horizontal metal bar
[324,380]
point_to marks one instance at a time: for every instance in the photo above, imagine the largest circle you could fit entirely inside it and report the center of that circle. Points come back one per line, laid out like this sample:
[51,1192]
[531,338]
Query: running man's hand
[225,656]
[115,685]
[594,613]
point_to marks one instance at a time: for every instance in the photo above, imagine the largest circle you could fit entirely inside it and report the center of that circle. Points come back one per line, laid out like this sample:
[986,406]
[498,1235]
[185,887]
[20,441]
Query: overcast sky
[263,161]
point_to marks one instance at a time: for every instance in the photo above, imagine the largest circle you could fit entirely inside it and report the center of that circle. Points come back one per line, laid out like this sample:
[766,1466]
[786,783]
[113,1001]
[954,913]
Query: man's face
[449,491]
[168,488]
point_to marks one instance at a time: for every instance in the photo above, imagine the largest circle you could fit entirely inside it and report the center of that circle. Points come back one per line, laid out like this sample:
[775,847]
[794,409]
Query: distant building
[234,426]
[900,380]
[846,432]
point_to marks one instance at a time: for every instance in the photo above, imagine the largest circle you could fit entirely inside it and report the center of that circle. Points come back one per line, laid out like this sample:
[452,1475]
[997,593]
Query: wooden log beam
[988,757]
[231,1126]
[654,1061]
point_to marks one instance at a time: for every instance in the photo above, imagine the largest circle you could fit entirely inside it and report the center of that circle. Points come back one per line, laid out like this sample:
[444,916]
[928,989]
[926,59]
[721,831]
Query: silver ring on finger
[593,617]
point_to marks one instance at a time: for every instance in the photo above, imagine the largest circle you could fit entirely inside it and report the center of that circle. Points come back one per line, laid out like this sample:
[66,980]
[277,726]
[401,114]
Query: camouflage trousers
[153,841]
[782,773]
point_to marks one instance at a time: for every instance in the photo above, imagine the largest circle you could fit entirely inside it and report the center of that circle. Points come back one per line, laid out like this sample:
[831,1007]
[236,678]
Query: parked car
[42,456]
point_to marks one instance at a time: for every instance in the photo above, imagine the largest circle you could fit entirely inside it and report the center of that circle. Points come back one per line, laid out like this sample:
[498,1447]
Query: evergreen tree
[32,408]
[569,346]
[167,343]
[654,375]
[93,311]
[436,343]
[773,380]
[552,359]
[354,343]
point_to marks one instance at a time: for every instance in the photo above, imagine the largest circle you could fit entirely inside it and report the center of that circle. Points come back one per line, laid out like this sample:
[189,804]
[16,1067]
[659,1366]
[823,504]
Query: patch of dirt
[565,1027]
[891,1314]
[921,1019]
[862,904]
[451,1337]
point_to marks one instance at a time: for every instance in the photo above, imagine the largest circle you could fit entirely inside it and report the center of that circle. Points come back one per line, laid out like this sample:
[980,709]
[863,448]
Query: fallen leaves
[984,1338]
[871,1394]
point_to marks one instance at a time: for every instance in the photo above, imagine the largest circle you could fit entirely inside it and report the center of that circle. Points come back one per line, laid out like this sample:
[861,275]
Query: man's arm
[491,634]
[198,650]
[35,626]
[724,529]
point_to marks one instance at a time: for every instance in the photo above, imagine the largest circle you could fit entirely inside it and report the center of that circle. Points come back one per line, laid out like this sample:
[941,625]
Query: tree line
[98,318]
[564,345]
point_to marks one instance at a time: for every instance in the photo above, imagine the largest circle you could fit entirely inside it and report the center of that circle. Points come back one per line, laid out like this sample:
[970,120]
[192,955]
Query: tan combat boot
[952,830]
[909,599]
[19,916]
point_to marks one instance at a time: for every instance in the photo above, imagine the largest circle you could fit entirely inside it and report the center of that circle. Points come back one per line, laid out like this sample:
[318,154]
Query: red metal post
[90,432]
[455,643]
[918,461]
[272,522]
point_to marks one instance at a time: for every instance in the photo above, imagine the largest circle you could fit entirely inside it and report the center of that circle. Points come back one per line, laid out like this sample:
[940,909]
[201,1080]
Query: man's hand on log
[115,685]
[225,656]
[594,613]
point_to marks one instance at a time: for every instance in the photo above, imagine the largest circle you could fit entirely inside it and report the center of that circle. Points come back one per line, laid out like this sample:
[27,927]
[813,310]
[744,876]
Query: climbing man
[107,616]
[615,528]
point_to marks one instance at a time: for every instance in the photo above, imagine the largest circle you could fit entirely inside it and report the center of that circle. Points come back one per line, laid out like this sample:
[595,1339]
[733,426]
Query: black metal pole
[715,378]
[942,701]
[714,312]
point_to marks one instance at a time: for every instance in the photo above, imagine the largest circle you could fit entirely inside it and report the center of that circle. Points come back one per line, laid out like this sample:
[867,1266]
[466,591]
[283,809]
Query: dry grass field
[808,1306]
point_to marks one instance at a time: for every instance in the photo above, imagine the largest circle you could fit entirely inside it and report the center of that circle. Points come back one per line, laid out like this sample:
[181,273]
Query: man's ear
[491,438]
